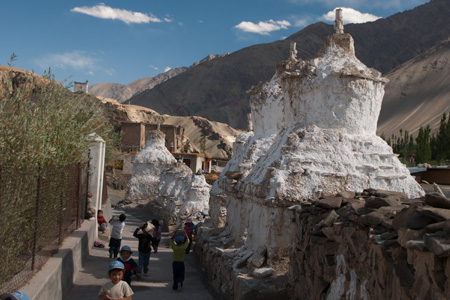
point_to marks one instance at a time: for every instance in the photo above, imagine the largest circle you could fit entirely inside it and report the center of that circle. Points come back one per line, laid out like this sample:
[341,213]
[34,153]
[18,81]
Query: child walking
[144,248]
[131,267]
[116,235]
[116,288]
[189,229]
[178,245]
[156,235]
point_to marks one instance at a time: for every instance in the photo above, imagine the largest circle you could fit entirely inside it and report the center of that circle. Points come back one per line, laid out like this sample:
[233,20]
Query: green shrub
[47,125]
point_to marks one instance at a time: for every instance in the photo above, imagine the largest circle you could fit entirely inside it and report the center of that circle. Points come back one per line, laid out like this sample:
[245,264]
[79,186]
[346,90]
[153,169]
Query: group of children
[121,270]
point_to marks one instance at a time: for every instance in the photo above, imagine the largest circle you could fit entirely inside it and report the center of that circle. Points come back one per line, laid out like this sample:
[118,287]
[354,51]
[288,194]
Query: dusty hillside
[418,92]
[122,92]
[19,77]
[219,136]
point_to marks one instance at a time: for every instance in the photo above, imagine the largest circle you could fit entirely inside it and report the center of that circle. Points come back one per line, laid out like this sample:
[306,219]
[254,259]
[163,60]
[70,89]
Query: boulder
[439,226]
[419,221]
[437,214]
[437,243]
[358,205]
[330,203]
[415,245]
[390,194]
[262,272]
[257,260]
[241,262]
[346,194]
[377,202]
[437,200]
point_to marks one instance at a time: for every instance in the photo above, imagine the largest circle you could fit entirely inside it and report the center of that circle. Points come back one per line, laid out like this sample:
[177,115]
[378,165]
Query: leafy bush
[47,124]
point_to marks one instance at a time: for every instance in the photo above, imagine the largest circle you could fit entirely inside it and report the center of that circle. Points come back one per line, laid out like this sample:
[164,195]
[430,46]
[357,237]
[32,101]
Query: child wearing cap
[178,245]
[116,288]
[14,296]
[131,267]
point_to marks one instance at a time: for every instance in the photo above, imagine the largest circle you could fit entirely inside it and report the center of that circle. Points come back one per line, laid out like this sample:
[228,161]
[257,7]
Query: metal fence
[38,208]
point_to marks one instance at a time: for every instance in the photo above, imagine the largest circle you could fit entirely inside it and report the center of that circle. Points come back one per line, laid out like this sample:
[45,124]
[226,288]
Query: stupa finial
[339,22]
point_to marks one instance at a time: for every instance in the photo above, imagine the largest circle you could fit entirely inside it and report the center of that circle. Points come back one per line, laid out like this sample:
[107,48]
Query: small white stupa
[171,191]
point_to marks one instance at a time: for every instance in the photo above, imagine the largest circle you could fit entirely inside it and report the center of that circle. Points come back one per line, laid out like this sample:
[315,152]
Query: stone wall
[372,245]
[132,138]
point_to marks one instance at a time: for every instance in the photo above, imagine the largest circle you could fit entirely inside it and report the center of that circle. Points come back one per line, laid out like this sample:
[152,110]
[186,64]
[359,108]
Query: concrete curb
[56,277]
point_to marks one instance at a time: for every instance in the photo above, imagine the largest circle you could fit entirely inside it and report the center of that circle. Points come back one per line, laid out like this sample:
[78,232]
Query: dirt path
[157,285]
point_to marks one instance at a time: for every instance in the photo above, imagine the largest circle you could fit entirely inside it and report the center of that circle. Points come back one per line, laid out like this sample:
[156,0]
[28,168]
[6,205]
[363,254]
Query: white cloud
[77,60]
[301,21]
[91,73]
[263,28]
[110,71]
[154,67]
[351,16]
[168,19]
[105,12]
[167,69]
[397,5]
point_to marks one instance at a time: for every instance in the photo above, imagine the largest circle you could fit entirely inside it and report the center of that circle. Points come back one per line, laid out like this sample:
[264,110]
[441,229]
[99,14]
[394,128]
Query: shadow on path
[157,284]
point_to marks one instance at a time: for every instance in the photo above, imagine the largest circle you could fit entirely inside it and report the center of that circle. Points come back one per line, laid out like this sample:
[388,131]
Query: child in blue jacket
[131,267]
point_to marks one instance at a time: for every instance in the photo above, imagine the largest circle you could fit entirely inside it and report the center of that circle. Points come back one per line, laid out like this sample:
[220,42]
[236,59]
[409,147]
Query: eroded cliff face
[314,137]
[168,187]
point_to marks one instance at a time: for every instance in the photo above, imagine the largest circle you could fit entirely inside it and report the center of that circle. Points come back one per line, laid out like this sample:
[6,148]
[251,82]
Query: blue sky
[122,41]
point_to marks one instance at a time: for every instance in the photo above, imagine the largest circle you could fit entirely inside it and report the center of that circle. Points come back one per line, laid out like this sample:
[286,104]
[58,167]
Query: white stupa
[314,134]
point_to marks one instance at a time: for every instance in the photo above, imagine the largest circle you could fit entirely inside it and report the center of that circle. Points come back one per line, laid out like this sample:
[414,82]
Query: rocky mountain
[122,92]
[418,92]
[217,89]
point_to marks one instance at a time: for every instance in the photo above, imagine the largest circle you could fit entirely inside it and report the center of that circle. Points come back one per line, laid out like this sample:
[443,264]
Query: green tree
[443,139]
[203,144]
[423,152]
[42,122]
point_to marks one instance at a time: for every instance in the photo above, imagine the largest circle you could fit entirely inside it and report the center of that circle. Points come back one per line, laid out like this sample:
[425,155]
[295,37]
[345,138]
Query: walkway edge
[57,276]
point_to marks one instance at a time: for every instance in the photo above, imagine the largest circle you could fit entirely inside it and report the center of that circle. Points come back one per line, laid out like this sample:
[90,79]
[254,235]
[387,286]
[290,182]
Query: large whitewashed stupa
[314,135]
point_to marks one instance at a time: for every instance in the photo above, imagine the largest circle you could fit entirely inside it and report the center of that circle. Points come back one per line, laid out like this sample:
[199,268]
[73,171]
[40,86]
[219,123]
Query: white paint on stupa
[314,134]
[169,188]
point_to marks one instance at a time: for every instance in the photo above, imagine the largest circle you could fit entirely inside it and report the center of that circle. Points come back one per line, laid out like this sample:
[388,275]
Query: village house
[198,162]
[80,87]
[134,139]
[134,136]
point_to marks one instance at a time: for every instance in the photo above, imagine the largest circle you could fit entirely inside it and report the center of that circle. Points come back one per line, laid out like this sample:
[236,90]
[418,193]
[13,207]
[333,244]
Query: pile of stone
[372,245]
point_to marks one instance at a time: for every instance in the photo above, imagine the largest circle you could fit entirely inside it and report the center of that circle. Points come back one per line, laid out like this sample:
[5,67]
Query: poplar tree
[423,148]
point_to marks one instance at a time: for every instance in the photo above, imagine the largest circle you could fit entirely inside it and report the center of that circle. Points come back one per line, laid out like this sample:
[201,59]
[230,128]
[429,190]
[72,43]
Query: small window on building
[187,162]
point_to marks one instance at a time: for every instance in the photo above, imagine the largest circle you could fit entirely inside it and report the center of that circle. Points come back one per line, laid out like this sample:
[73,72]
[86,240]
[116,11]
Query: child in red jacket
[131,267]
[102,224]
